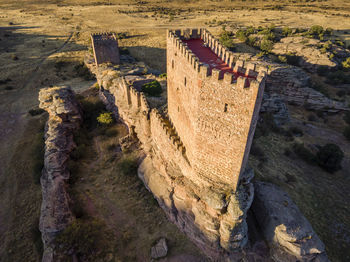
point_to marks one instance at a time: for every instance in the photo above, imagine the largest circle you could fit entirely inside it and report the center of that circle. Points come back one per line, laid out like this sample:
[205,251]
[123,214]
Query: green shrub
[266,46]
[84,237]
[251,41]
[316,31]
[282,59]
[164,75]
[153,88]
[105,118]
[329,157]
[91,110]
[265,125]
[346,63]
[305,154]
[256,151]
[286,31]
[241,35]
[338,77]
[82,71]
[226,38]
[36,111]
[128,166]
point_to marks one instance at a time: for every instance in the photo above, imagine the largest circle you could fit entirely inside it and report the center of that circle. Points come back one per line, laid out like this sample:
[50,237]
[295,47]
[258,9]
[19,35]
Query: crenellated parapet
[164,124]
[239,67]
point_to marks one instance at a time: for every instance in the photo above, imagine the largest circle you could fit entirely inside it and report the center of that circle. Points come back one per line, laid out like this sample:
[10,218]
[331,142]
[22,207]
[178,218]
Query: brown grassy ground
[42,33]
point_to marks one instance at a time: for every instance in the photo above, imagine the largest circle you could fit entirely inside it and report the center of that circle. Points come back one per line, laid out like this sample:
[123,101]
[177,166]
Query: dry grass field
[42,42]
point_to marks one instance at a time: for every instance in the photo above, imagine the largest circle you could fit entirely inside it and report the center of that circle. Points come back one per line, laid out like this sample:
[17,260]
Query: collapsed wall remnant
[105,48]
[64,117]
[196,147]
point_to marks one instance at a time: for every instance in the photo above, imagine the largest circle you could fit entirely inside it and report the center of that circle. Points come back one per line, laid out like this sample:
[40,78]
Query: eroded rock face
[307,49]
[64,117]
[289,234]
[215,221]
[293,86]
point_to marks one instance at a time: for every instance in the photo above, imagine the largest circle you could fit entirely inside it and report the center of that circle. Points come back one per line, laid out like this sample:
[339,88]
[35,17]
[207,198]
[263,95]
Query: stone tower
[213,103]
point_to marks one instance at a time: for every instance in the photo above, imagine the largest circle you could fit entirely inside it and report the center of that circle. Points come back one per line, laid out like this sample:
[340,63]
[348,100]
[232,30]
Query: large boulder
[288,233]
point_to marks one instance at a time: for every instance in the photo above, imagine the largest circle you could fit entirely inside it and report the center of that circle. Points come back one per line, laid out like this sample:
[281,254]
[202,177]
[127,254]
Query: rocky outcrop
[288,233]
[64,117]
[214,221]
[272,103]
[308,50]
[293,86]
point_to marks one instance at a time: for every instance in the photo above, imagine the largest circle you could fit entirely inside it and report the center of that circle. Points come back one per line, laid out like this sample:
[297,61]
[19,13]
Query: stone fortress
[197,145]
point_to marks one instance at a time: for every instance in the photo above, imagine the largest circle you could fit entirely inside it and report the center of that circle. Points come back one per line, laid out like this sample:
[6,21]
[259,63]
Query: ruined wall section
[215,114]
[105,48]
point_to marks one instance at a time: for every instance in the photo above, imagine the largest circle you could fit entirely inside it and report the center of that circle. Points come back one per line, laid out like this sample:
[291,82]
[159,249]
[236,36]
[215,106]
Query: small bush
[85,237]
[338,77]
[258,152]
[91,110]
[153,88]
[226,38]
[282,59]
[286,31]
[164,75]
[346,63]
[316,31]
[14,57]
[266,46]
[83,72]
[128,166]
[302,152]
[241,35]
[265,125]
[329,157]
[296,131]
[36,111]
[105,118]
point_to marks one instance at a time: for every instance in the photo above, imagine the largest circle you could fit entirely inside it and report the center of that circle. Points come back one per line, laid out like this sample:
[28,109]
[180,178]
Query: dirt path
[33,76]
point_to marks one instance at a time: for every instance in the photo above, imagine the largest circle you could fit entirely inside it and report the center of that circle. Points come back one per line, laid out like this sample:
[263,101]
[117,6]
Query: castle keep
[213,103]
[197,147]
